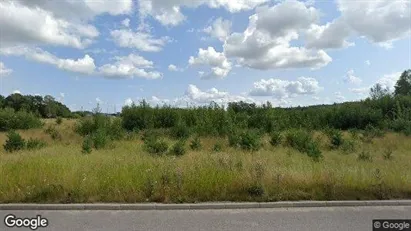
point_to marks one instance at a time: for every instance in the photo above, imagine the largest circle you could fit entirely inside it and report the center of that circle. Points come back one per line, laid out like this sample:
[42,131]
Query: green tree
[403,86]
[378,92]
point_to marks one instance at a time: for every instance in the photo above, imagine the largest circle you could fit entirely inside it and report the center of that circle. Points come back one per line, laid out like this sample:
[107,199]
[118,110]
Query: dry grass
[60,173]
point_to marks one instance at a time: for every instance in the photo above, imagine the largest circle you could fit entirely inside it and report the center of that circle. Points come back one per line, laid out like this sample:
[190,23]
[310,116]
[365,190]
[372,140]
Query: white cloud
[219,29]
[389,80]
[128,67]
[140,40]
[382,21]
[44,27]
[16,92]
[126,22]
[173,67]
[62,95]
[265,44]
[128,102]
[4,70]
[331,35]
[194,96]
[283,89]
[83,65]
[169,13]
[351,78]
[368,62]
[220,65]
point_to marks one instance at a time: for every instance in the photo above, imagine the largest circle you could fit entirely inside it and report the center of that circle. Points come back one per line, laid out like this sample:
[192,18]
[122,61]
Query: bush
[11,120]
[180,131]
[87,145]
[302,141]
[179,148]
[99,139]
[14,142]
[372,132]
[336,138]
[196,144]
[234,139]
[250,141]
[155,146]
[151,134]
[35,144]
[365,156]
[275,138]
[255,191]
[59,120]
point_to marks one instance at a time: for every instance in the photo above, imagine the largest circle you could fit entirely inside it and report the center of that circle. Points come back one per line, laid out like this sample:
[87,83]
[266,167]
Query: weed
[35,144]
[275,138]
[365,156]
[178,148]
[196,144]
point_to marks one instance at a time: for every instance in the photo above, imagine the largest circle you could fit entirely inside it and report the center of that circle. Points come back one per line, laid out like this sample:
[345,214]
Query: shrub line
[203,206]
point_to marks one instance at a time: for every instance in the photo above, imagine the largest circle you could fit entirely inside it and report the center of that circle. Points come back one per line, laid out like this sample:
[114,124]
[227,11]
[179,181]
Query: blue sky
[194,52]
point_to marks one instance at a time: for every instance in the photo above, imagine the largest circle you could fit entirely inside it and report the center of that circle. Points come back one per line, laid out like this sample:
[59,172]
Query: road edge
[203,206]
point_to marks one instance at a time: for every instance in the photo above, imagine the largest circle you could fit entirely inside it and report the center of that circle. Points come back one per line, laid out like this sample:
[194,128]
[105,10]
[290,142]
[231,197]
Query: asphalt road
[324,218]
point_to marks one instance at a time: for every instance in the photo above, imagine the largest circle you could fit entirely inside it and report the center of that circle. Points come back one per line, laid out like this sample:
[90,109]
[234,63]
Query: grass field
[124,172]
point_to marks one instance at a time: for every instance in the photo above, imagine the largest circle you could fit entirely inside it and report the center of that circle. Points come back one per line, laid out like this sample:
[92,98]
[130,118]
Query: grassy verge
[124,172]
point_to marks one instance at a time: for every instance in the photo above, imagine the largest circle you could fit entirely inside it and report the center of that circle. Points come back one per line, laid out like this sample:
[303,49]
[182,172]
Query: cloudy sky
[193,52]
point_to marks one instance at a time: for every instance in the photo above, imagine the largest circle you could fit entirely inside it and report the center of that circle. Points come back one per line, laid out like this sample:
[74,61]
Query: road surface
[323,218]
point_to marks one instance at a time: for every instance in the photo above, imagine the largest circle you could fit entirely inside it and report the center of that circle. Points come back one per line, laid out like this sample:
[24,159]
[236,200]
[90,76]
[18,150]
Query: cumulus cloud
[368,62]
[194,96]
[331,35]
[173,67]
[16,92]
[140,40]
[283,89]
[379,21]
[265,44]
[128,102]
[129,67]
[351,78]
[360,91]
[219,29]
[44,27]
[83,65]
[169,13]
[4,70]
[220,65]
[389,80]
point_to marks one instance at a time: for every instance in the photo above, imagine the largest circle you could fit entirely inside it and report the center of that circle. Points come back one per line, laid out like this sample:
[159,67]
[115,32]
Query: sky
[194,52]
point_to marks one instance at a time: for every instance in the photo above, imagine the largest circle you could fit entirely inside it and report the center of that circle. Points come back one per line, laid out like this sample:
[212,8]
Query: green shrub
[178,148]
[180,131]
[151,134]
[87,145]
[336,138]
[250,141]
[11,120]
[14,142]
[156,146]
[85,126]
[99,139]
[275,138]
[234,139]
[35,144]
[196,144]
[302,141]
[372,132]
[59,120]
[365,156]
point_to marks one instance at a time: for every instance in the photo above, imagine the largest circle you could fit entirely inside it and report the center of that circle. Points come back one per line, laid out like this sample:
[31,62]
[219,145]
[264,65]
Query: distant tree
[378,92]
[403,86]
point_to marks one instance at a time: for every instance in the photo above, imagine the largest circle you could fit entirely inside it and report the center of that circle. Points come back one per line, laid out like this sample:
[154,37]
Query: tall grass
[60,173]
